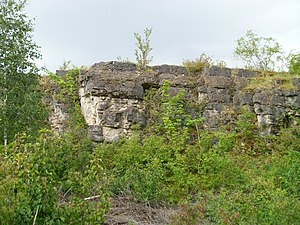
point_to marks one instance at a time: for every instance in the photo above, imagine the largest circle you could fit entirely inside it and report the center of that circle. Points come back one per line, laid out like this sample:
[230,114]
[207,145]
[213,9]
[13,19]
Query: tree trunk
[5,140]
[5,137]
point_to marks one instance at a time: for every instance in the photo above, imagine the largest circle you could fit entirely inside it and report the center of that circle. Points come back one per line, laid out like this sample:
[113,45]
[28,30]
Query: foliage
[294,63]
[235,177]
[66,65]
[21,106]
[170,114]
[127,60]
[220,63]
[283,81]
[263,53]
[57,178]
[224,177]
[51,177]
[246,131]
[151,170]
[176,121]
[190,213]
[197,65]
[143,49]
[66,85]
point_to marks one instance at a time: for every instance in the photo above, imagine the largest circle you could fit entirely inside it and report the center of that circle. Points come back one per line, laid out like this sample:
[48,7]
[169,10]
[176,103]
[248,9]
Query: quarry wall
[112,96]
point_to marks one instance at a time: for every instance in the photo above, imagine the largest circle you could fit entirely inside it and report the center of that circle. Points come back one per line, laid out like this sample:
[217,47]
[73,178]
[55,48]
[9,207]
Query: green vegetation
[66,65]
[196,66]
[259,52]
[54,179]
[143,49]
[21,108]
[294,63]
[284,81]
[235,177]
[227,176]
[216,177]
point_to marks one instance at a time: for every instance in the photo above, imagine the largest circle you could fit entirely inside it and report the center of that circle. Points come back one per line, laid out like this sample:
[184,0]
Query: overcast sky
[90,31]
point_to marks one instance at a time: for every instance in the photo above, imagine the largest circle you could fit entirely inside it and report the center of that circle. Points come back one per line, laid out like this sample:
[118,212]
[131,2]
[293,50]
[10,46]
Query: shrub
[259,52]
[51,178]
[197,65]
[294,63]
[262,203]
[137,168]
[143,49]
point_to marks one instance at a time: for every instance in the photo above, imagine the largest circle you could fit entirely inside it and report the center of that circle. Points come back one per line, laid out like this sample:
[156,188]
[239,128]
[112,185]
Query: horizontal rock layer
[112,94]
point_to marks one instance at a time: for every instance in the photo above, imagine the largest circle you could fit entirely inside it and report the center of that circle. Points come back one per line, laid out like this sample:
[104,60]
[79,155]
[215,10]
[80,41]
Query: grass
[282,81]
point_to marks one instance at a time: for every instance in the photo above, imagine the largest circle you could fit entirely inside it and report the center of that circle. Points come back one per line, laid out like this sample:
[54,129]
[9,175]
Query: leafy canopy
[263,53]
[294,63]
[20,96]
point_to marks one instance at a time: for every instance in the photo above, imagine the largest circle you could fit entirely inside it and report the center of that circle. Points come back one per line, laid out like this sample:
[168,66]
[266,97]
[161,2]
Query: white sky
[90,31]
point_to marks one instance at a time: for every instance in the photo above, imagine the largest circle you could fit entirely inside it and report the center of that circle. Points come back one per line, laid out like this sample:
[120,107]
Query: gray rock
[246,73]
[170,69]
[218,82]
[243,98]
[95,133]
[112,119]
[217,71]
[112,95]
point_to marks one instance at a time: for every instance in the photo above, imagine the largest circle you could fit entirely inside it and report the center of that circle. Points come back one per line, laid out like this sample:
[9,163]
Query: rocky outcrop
[112,94]
[111,100]
[58,114]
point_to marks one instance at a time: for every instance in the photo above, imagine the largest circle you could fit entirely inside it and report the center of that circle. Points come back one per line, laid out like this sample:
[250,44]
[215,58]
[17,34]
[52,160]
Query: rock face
[111,100]
[59,109]
[112,93]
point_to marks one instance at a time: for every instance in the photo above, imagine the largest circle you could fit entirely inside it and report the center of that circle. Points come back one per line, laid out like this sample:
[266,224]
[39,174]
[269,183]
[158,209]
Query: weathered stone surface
[240,82]
[111,134]
[217,71]
[246,73]
[61,73]
[170,69]
[219,95]
[218,82]
[243,98]
[112,95]
[269,97]
[95,133]
[148,81]
[58,116]
[296,82]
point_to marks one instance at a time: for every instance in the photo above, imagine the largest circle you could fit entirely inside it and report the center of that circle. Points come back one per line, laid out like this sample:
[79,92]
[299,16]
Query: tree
[21,109]
[294,63]
[259,52]
[143,49]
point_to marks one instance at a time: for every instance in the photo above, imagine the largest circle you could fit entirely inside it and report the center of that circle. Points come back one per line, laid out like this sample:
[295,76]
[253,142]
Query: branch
[92,197]
[36,213]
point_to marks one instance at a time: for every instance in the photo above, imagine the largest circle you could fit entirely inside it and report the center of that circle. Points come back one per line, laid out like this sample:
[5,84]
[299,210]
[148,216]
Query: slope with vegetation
[221,178]
[171,172]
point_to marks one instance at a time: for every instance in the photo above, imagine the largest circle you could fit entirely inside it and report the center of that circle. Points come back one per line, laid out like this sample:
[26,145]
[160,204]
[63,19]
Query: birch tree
[259,52]
[20,97]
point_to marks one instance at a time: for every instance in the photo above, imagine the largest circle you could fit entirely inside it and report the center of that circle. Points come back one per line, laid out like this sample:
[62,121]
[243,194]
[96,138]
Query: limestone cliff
[112,94]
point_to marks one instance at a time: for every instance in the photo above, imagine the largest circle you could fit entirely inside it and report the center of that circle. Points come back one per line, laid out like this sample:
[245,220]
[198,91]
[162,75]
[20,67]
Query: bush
[294,63]
[263,205]
[259,52]
[54,178]
[197,65]
[143,49]
[50,178]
